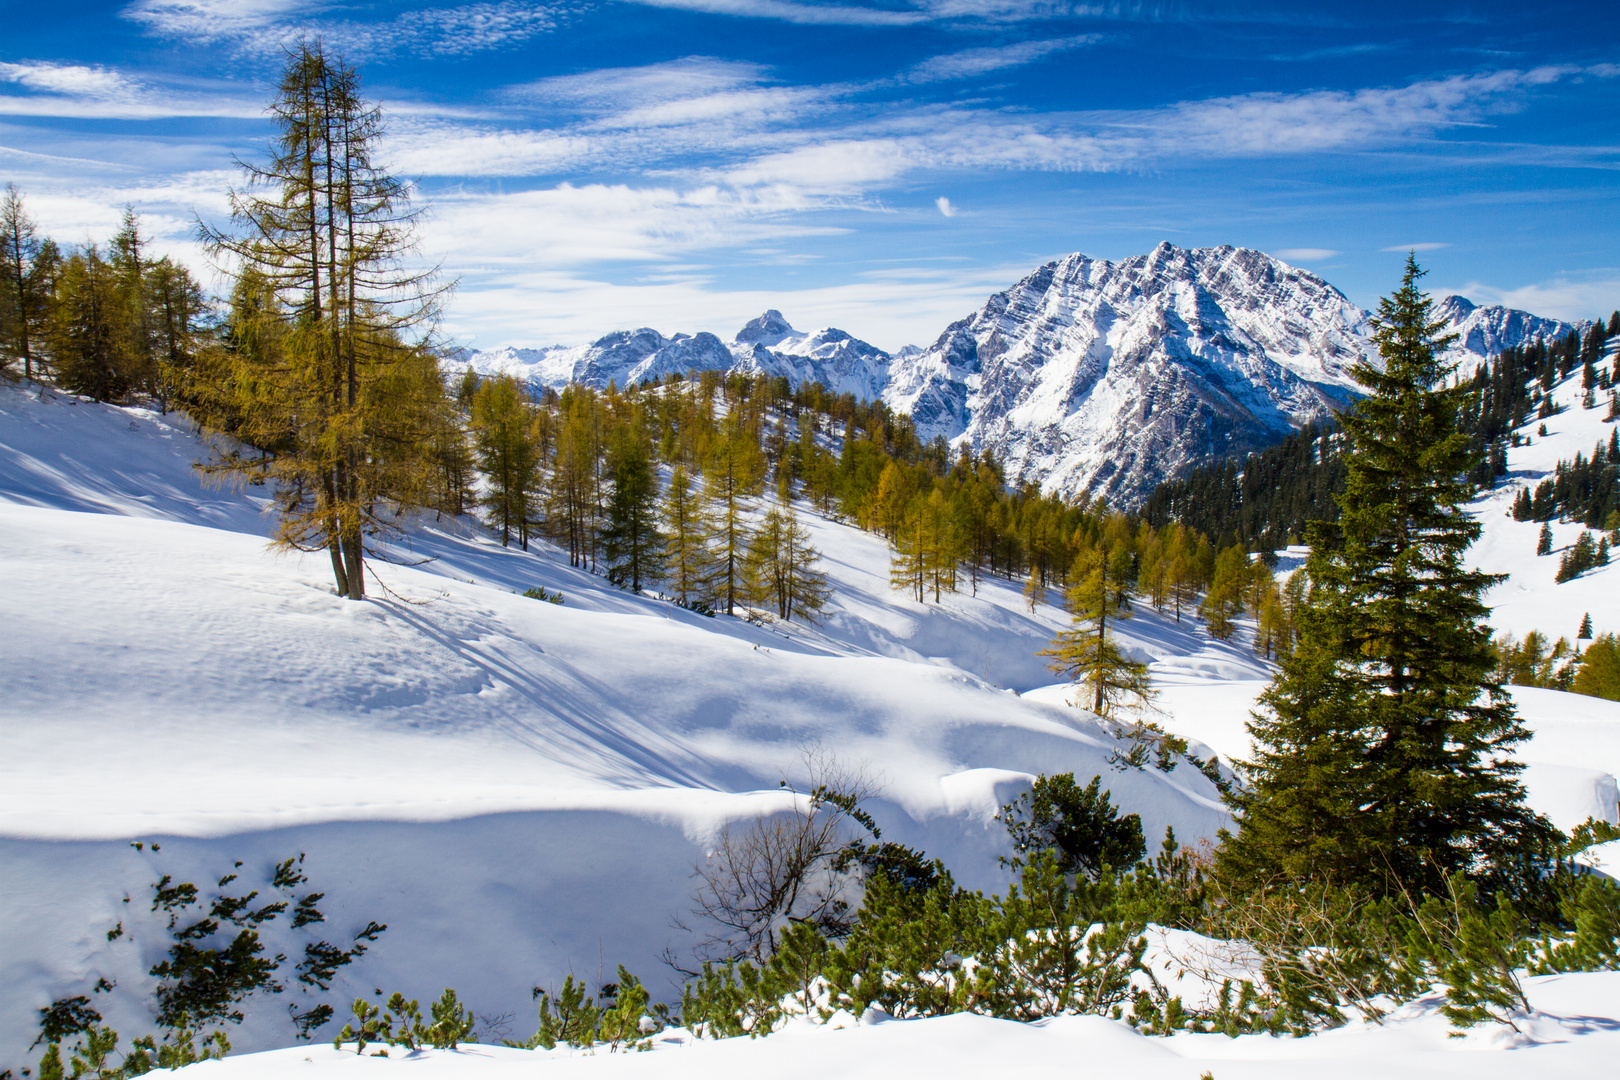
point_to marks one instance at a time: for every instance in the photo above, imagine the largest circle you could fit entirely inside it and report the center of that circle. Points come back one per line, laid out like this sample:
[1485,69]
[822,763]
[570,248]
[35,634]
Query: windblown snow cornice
[1086,376]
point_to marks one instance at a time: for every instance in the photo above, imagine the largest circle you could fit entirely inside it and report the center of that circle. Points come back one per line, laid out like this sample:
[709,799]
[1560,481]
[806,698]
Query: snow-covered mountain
[1485,330]
[1108,377]
[767,346]
[1086,376]
[843,364]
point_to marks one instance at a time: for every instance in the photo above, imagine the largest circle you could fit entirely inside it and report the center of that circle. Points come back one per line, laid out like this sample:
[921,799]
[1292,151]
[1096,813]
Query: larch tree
[573,497]
[22,297]
[688,559]
[176,303]
[1383,746]
[908,555]
[927,545]
[506,455]
[632,544]
[784,567]
[1087,653]
[1223,602]
[354,388]
[87,342]
[942,542]
[733,475]
[132,313]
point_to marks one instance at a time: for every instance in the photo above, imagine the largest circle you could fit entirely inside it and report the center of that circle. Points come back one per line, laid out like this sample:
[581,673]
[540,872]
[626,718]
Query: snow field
[1570,1036]
[520,790]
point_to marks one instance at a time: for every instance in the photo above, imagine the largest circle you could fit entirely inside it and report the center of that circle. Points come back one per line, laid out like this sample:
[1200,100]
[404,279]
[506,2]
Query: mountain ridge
[1088,375]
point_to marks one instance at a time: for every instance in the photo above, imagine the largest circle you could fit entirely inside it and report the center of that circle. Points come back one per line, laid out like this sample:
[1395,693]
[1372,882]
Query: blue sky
[879,165]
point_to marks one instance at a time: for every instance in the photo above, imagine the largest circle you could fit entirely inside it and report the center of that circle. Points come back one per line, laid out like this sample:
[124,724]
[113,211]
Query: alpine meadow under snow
[520,790]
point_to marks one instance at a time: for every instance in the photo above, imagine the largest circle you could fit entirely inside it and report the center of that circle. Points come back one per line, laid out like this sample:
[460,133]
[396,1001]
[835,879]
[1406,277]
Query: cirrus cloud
[1307,254]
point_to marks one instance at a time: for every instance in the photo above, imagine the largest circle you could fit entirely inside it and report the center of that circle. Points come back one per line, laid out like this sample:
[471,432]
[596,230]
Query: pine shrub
[1081,827]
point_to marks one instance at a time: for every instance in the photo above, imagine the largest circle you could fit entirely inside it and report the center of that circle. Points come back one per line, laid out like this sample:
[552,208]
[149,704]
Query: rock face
[841,363]
[1086,376]
[1109,377]
[1484,331]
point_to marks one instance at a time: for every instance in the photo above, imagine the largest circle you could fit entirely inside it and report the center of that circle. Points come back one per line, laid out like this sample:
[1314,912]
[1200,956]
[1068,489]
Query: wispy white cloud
[970,62]
[1306,254]
[431,148]
[572,225]
[955,12]
[266,26]
[755,107]
[1336,52]
[93,92]
[609,89]
[1568,298]
[73,80]
[905,306]
[213,21]
[709,119]
[945,206]
[794,12]
[1011,11]
[691,111]
[845,168]
[1431,246]
[1272,123]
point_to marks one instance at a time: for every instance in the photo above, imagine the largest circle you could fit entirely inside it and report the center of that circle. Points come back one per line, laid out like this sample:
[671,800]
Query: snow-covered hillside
[1087,375]
[451,747]
[520,790]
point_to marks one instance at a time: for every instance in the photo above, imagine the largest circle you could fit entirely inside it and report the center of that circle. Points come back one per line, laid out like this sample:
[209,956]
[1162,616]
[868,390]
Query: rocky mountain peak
[769,329]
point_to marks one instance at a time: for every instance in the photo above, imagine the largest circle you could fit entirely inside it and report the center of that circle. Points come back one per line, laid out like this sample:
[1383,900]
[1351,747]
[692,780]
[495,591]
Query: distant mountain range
[1087,375]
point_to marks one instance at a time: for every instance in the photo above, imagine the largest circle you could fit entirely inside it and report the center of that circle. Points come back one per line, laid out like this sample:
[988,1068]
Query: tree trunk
[338,573]
[354,563]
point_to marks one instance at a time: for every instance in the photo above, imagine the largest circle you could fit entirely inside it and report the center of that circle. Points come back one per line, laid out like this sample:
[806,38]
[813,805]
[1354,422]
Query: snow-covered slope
[1086,376]
[1571,1034]
[520,790]
[517,789]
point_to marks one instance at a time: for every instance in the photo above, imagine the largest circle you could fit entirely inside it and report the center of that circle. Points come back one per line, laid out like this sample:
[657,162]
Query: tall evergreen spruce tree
[1381,746]
[632,542]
